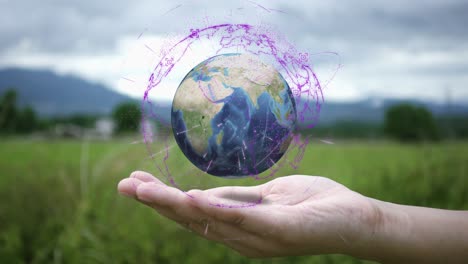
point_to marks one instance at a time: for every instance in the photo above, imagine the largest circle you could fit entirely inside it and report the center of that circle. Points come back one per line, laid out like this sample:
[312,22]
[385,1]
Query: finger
[162,195]
[128,187]
[179,206]
[171,202]
[157,197]
[170,214]
[144,177]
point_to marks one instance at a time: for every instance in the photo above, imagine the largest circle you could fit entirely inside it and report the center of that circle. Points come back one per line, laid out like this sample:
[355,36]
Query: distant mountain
[51,95]
[370,111]
[373,110]
[59,95]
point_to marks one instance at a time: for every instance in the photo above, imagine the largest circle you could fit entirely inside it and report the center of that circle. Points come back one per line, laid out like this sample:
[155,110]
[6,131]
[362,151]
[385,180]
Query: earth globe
[233,115]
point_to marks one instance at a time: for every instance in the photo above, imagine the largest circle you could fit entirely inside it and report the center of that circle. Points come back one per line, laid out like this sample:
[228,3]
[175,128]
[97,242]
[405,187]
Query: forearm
[409,234]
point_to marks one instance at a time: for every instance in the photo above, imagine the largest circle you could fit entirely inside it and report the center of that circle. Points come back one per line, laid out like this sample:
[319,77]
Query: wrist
[383,231]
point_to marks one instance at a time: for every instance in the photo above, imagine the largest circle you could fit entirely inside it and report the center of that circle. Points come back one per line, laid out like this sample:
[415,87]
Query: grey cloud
[393,23]
[360,31]
[95,25]
[65,26]
[91,26]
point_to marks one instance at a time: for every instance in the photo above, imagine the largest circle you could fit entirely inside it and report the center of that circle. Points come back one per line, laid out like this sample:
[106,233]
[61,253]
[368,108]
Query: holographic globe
[233,115]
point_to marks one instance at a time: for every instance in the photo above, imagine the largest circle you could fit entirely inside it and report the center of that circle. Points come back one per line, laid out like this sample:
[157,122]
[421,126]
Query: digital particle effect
[244,118]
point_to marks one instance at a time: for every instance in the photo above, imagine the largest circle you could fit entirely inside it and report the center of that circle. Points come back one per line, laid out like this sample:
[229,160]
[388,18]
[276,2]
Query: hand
[295,215]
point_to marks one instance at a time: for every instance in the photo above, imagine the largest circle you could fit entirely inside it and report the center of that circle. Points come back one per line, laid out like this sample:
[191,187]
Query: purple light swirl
[257,40]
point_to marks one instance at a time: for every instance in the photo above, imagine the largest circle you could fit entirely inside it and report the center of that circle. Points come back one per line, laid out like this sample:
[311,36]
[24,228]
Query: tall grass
[59,202]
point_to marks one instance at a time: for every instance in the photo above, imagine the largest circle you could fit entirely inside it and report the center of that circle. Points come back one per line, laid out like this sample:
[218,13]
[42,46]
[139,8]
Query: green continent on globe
[233,115]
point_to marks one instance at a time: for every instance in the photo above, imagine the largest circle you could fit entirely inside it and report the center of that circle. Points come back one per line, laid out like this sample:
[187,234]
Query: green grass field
[59,202]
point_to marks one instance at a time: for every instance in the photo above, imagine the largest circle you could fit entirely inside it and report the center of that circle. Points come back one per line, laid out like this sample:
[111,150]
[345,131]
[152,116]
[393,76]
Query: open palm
[292,215]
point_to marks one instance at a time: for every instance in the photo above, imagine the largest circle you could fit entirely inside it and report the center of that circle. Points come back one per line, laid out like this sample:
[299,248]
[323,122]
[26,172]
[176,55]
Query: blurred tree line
[16,120]
[404,122]
[407,122]
[127,117]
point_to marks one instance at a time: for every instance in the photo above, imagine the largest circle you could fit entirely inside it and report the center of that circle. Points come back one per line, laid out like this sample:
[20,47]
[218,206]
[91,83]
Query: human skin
[308,215]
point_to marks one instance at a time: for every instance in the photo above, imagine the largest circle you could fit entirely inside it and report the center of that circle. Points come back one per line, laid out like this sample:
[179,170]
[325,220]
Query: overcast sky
[404,49]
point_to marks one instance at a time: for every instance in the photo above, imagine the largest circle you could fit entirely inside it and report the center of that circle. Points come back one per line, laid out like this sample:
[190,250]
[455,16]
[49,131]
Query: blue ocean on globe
[233,115]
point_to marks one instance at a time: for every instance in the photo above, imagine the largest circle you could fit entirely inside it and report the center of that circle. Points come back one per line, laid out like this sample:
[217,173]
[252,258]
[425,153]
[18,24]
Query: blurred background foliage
[60,204]
[127,117]
[63,206]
